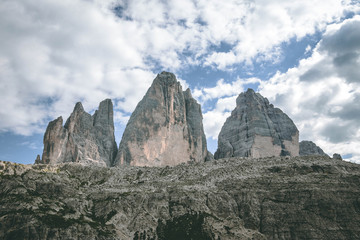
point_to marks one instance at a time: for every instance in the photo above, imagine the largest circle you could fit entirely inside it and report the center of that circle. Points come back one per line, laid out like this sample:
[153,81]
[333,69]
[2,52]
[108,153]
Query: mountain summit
[257,129]
[165,128]
[83,138]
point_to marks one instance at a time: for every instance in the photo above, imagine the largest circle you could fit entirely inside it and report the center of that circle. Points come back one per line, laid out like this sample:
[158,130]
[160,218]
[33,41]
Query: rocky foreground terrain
[312,197]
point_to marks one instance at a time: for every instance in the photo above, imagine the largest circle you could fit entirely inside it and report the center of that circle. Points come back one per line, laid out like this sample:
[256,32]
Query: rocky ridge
[165,128]
[84,138]
[257,129]
[312,197]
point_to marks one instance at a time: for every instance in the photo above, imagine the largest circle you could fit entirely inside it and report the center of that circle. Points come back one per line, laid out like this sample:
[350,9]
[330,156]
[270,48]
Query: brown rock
[165,128]
[84,138]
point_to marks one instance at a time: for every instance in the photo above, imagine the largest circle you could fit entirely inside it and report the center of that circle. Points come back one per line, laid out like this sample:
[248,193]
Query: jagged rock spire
[83,138]
[165,128]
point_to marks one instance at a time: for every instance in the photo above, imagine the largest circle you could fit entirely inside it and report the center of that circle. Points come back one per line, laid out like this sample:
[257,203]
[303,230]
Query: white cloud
[253,29]
[121,118]
[223,89]
[55,53]
[307,49]
[264,25]
[215,118]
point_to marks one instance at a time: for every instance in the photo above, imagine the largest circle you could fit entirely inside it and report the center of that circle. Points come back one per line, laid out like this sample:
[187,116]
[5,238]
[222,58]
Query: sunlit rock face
[165,128]
[85,138]
[257,129]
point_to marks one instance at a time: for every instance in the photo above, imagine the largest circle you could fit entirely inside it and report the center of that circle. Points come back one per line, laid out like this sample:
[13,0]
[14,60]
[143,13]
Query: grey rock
[165,128]
[209,157]
[84,138]
[307,148]
[308,197]
[38,159]
[55,140]
[337,156]
[257,129]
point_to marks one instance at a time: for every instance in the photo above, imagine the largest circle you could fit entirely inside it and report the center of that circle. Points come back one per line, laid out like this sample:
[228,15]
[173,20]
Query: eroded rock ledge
[311,197]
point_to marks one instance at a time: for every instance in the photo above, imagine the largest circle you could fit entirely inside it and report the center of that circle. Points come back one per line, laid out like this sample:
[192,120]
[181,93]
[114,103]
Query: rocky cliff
[165,127]
[84,138]
[307,148]
[257,129]
[311,197]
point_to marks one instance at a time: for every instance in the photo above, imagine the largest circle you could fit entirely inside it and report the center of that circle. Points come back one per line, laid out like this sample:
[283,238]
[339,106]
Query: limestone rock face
[165,127]
[308,148]
[257,129]
[84,138]
[307,197]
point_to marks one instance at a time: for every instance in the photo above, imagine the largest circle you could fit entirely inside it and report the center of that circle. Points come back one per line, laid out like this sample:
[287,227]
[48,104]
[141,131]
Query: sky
[303,55]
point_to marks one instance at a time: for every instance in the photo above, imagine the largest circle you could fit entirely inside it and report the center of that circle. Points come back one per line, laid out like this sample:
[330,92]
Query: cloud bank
[55,53]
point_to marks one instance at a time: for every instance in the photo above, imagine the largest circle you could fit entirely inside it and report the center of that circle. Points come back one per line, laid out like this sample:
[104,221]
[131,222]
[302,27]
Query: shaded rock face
[257,129]
[38,159]
[337,156]
[84,138]
[165,128]
[307,148]
[312,197]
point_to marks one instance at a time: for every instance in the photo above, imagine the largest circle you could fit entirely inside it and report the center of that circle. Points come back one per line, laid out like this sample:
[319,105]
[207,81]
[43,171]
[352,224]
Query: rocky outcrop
[38,159]
[84,138]
[337,156]
[165,127]
[309,148]
[312,197]
[257,129]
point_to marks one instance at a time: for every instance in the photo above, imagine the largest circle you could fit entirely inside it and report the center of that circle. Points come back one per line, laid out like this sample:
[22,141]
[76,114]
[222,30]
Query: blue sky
[303,55]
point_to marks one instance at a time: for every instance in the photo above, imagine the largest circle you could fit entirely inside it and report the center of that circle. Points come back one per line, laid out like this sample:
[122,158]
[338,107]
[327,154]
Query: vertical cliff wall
[84,138]
[257,129]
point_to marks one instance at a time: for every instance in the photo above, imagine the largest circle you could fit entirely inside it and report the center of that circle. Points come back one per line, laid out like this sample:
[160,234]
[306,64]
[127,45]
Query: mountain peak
[250,91]
[257,129]
[84,138]
[165,127]
[78,107]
